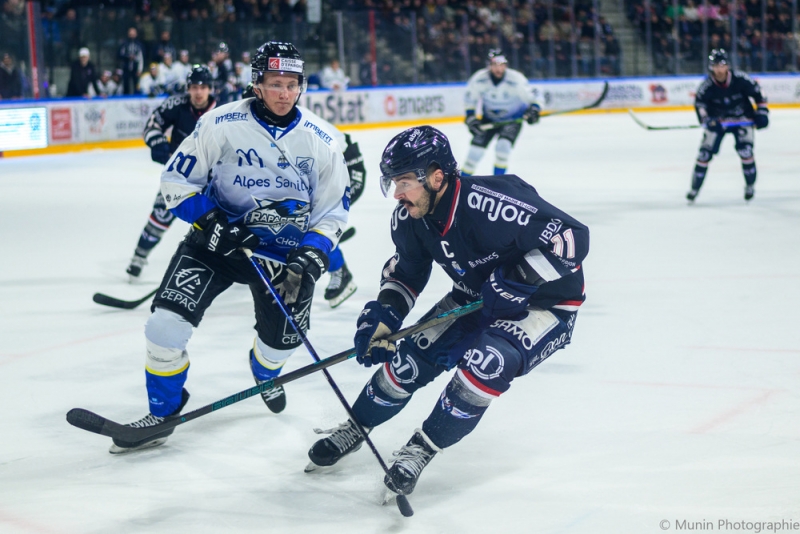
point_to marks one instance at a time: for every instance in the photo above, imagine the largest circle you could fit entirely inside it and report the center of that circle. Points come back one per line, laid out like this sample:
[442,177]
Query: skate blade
[114,449]
[314,468]
[346,294]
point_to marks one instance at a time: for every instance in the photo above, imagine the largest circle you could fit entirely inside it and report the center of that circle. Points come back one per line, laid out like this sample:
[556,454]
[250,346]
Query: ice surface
[677,400]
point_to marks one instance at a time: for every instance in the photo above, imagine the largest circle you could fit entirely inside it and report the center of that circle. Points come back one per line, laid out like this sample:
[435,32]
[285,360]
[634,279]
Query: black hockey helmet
[199,75]
[496,57]
[419,150]
[718,56]
[222,47]
[282,58]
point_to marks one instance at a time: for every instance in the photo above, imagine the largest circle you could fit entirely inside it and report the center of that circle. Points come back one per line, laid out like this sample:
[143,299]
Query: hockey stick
[597,102]
[350,232]
[582,108]
[402,501]
[97,424]
[730,124]
[105,300]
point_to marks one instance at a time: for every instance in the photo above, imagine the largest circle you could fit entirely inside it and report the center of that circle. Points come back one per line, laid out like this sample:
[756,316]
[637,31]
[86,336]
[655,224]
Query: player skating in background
[256,174]
[506,100]
[180,113]
[725,97]
[497,240]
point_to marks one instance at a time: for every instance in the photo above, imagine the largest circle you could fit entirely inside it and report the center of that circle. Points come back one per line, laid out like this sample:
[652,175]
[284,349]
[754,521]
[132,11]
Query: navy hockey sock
[380,400]
[456,414]
[151,236]
[749,170]
[699,175]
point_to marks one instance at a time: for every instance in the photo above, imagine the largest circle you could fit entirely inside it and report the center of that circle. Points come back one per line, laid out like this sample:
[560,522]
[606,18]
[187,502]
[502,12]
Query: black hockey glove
[473,124]
[159,152]
[375,323]
[304,266]
[713,125]
[504,298]
[355,167]
[761,120]
[531,115]
[213,231]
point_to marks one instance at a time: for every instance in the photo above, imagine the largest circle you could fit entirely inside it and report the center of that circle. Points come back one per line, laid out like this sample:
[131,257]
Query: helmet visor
[402,182]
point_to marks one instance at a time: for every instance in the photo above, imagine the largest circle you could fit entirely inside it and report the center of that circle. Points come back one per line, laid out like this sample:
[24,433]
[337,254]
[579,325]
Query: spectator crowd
[113,47]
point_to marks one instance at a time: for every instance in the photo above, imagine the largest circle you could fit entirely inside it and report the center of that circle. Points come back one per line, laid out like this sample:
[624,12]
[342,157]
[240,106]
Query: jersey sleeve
[407,272]
[754,92]
[330,202]
[472,94]
[160,120]
[701,101]
[186,173]
[559,245]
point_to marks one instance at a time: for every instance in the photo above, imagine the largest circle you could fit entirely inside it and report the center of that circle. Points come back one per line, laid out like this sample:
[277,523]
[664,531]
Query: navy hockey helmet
[496,57]
[419,150]
[718,56]
[282,58]
[199,75]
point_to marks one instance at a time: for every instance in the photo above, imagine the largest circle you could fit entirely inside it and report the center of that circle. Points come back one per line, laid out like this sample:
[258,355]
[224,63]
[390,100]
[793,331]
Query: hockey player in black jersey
[725,97]
[499,241]
[180,113]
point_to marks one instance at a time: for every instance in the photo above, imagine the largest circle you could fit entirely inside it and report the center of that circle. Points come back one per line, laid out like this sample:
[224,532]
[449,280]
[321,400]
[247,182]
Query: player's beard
[422,206]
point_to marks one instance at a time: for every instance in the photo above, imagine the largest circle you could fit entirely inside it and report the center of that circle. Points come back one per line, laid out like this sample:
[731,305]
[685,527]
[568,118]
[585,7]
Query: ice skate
[408,464]
[749,191]
[691,195]
[342,441]
[136,266]
[122,447]
[340,287]
[274,398]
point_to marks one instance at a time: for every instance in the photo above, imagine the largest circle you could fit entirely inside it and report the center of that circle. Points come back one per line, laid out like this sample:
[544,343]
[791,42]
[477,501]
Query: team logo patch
[283,162]
[447,406]
[305,164]
[404,370]
[277,215]
[487,365]
[187,283]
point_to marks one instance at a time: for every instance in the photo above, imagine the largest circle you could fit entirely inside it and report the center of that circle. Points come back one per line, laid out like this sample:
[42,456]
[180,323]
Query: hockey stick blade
[350,232]
[92,422]
[105,300]
[592,105]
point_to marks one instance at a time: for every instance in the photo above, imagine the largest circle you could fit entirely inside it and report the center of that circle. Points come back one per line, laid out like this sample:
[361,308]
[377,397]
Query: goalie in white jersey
[259,174]
[506,100]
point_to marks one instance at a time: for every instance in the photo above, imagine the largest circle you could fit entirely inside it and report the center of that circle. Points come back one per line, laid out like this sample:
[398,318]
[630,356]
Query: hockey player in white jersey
[506,100]
[259,174]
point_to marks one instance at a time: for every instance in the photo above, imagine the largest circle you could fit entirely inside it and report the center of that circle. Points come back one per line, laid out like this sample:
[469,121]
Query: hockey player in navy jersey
[180,113]
[255,174]
[499,241]
[725,96]
[506,100]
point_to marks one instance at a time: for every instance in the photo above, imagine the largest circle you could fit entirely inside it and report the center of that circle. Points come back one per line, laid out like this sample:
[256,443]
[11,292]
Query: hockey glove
[159,152]
[504,298]
[304,266]
[713,125]
[214,232]
[761,120]
[375,323]
[531,115]
[473,124]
